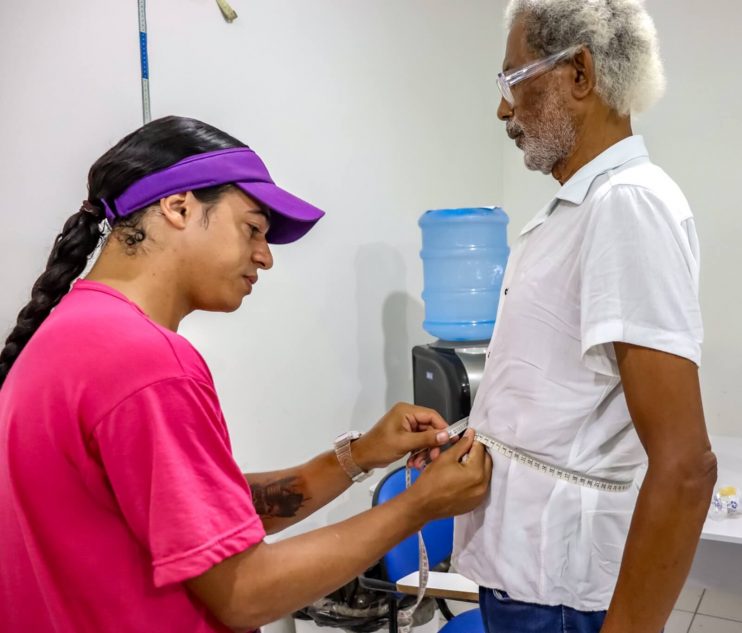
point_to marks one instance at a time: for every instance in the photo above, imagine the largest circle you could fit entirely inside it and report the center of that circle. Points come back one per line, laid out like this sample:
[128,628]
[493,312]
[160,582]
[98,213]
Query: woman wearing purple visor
[121,505]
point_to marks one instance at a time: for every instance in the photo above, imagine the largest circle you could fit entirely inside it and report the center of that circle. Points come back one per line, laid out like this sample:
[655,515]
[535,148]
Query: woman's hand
[456,483]
[405,429]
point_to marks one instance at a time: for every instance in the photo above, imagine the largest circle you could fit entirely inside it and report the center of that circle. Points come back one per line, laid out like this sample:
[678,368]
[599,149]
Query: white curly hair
[620,35]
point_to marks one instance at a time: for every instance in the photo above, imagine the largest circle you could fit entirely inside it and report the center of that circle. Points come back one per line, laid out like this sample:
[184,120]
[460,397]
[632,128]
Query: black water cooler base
[446,376]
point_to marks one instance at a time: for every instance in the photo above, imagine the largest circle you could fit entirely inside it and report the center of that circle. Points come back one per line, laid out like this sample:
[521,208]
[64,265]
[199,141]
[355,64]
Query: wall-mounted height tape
[143,58]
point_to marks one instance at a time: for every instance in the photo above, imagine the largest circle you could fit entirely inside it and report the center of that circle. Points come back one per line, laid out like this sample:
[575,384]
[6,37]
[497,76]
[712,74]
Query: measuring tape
[404,616]
[521,457]
[144,59]
[595,483]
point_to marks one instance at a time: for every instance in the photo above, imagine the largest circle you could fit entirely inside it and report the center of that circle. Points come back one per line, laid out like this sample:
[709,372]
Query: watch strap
[345,457]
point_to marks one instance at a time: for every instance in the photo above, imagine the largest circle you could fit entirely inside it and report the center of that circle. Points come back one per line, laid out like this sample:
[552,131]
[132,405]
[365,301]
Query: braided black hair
[151,148]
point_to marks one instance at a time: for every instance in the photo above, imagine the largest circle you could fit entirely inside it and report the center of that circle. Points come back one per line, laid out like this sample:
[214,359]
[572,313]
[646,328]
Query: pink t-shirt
[117,481]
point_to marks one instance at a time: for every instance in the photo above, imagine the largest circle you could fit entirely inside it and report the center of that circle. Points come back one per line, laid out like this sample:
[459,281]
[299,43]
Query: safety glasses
[534,69]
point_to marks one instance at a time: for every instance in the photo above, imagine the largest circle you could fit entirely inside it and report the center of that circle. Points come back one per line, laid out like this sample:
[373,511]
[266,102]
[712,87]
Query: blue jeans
[502,614]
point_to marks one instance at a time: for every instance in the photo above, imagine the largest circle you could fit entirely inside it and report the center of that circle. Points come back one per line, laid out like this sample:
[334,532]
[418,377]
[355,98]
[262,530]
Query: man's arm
[664,399]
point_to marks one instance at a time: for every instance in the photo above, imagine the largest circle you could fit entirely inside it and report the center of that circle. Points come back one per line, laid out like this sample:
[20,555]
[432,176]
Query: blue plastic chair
[438,535]
[467,622]
[403,559]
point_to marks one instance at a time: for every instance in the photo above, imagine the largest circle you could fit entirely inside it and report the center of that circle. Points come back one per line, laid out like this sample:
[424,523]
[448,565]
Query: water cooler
[464,255]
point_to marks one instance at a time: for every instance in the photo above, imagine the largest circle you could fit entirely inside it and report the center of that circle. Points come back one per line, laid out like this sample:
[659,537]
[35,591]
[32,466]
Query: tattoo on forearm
[280,498]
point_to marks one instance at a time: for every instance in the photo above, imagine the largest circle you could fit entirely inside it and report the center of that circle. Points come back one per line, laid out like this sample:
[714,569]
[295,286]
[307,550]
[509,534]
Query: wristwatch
[348,464]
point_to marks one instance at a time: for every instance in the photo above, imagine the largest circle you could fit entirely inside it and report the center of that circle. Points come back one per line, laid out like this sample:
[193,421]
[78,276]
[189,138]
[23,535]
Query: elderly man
[593,364]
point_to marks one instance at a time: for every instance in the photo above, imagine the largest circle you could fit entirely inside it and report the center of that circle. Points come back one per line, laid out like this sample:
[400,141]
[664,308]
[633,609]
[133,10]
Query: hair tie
[95,211]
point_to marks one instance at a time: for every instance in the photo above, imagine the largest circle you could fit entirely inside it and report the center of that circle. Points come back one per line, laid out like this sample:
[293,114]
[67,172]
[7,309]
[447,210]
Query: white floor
[706,611]
[698,610]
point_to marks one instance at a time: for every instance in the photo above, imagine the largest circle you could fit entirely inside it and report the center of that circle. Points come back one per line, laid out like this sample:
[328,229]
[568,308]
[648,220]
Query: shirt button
[506,290]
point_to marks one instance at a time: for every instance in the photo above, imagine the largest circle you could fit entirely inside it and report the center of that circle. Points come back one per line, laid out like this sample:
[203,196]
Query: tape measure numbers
[521,457]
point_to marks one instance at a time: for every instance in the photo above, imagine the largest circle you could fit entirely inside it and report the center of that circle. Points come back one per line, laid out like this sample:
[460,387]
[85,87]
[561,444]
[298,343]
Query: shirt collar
[540,217]
[576,188]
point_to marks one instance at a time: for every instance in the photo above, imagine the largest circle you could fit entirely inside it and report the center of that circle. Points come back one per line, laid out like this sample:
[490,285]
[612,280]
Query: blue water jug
[464,255]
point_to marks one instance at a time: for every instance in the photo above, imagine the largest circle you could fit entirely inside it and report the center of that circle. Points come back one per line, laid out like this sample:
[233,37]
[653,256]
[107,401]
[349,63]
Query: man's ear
[174,209]
[583,74]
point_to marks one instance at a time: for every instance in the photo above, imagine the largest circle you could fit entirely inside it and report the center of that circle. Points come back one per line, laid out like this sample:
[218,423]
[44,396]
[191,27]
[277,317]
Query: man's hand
[405,429]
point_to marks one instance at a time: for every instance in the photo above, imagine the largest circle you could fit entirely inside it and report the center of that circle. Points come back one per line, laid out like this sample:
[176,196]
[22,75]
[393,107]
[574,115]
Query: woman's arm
[285,497]
[270,580]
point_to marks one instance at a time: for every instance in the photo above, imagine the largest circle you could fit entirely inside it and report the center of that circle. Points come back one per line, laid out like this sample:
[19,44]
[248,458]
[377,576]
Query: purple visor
[291,217]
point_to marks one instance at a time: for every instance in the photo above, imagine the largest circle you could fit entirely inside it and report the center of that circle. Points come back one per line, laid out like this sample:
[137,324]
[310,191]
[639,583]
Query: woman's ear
[175,210]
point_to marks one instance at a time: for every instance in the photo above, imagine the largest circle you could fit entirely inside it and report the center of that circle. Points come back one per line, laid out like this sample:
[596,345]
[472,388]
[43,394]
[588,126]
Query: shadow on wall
[400,313]
[386,316]
[388,320]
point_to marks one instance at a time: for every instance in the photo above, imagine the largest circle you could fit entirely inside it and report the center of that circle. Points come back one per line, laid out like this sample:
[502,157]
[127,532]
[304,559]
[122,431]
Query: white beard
[547,140]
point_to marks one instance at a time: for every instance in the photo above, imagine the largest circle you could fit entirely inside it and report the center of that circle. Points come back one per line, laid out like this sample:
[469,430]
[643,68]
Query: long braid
[72,249]
[155,146]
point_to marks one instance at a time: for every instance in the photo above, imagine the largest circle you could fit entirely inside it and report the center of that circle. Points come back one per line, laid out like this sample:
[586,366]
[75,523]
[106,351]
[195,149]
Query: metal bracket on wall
[230,15]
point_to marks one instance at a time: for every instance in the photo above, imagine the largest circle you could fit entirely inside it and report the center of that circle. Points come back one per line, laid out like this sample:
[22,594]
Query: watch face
[348,436]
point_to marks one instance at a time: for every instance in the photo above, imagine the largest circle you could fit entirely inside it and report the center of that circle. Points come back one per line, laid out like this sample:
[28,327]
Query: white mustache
[513,129]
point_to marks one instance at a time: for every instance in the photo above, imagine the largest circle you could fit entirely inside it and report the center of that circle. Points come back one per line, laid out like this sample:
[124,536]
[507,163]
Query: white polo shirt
[614,257]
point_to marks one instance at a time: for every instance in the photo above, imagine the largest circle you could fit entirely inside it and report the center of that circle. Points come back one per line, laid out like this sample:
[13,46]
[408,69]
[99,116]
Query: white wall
[694,133]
